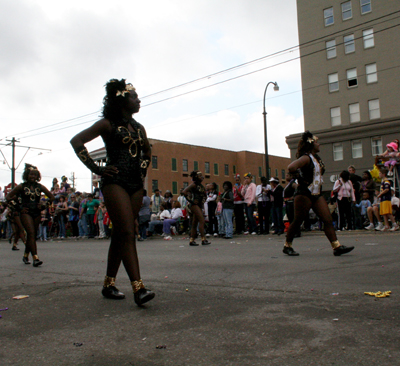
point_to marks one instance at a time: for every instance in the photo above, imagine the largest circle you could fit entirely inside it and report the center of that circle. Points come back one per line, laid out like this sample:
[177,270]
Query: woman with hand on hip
[26,197]
[128,157]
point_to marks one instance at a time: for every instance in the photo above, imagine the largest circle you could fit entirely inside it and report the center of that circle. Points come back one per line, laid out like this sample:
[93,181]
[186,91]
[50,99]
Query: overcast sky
[56,57]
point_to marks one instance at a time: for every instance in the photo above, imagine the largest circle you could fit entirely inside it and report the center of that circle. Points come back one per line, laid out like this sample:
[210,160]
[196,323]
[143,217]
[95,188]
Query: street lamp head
[276,87]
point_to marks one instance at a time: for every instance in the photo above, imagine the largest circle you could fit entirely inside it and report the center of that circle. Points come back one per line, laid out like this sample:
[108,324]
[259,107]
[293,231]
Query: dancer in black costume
[308,169]
[26,198]
[128,156]
[196,196]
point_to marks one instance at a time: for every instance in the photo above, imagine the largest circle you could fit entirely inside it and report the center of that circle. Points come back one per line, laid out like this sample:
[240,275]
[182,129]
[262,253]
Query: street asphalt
[234,302]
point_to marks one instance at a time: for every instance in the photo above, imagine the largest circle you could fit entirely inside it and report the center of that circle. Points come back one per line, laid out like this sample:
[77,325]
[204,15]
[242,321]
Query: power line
[272,54]
[228,70]
[59,129]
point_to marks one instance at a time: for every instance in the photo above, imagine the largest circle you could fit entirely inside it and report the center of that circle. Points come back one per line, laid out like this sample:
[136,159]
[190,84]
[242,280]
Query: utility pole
[73,179]
[12,167]
[13,141]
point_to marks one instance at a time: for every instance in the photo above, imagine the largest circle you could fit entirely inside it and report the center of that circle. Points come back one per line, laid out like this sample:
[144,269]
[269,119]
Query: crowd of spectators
[356,203]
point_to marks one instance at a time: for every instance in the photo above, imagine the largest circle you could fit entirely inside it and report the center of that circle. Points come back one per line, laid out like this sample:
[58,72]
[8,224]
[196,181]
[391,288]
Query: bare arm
[14,193]
[100,128]
[299,163]
[188,190]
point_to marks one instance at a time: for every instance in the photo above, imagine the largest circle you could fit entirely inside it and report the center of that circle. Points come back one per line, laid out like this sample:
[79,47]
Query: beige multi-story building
[172,163]
[350,70]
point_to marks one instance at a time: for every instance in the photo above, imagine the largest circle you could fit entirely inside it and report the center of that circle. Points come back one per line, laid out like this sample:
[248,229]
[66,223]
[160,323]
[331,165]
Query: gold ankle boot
[140,293]
[36,261]
[110,291]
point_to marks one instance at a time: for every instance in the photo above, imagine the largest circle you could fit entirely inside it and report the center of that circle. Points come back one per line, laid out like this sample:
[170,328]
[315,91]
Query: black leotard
[30,198]
[198,195]
[124,148]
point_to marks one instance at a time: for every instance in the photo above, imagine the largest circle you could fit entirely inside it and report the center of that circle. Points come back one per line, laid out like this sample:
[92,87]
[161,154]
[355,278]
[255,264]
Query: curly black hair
[228,183]
[194,175]
[113,104]
[28,168]
[304,146]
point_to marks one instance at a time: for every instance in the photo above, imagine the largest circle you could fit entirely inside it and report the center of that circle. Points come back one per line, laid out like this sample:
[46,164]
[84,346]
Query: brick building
[173,162]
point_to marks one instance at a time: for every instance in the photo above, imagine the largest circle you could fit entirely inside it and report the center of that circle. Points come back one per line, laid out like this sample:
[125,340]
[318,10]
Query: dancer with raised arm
[308,170]
[26,198]
[128,157]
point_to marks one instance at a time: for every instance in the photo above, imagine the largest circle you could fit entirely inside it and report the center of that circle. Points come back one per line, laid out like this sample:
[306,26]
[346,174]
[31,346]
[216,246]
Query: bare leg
[198,214]
[321,209]
[20,229]
[375,210]
[195,221]
[370,213]
[386,219]
[123,211]
[302,205]
[30,225]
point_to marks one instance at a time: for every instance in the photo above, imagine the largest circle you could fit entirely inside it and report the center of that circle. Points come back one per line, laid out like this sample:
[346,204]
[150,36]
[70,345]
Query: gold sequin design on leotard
[36,192]
[133,142]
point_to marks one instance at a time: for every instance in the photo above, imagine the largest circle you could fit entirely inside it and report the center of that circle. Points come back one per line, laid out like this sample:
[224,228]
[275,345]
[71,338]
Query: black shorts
[130,187]
[306,192]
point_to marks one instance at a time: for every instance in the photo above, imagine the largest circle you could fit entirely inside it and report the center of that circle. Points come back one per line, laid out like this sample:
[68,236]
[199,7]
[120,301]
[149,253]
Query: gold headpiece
[312,139]
[33,168]
[198,173]
[128,88]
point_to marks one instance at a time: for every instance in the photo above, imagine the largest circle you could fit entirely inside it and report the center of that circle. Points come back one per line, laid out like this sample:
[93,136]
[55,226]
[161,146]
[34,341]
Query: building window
[365,6]
[174,187]
[349,45]
[371,72]
[333,80]
[335,116]
[328,16]
[184,165]
[283,174]
[337,151]
[195,165]
[356,149]
[269,173]
[376,144]
[215,169]
[354,112]
[154,185]
[330,49]
[259,171]
[174,165]
[154,162]
[185,184]
[368,38]
[276,173]
[374,110]
[352,78]
[226,169]
[234,169]
[346,10]
[207,167]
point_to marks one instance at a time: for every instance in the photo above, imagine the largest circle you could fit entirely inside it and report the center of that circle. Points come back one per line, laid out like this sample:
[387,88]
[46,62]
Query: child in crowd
[393,154]
[44,223]
[363,205]
[386,204]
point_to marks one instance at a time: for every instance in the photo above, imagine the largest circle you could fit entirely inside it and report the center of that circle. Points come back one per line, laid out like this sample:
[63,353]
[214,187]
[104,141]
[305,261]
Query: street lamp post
[276,88]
